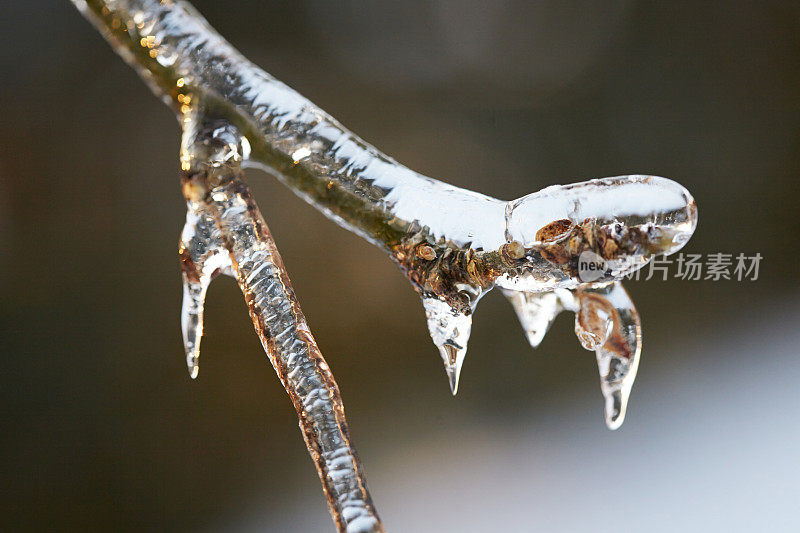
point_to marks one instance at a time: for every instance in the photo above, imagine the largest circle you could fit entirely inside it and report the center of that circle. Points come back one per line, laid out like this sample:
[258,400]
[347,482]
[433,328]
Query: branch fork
[453,245]
[226,234]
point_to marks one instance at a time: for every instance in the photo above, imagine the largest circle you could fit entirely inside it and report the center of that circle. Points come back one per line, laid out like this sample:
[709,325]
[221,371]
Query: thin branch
[227,234]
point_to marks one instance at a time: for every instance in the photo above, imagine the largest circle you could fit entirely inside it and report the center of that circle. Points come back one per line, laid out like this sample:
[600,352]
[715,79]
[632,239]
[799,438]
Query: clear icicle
[536,312]
[607,322]
[194,295]
[450,331]
[203,257]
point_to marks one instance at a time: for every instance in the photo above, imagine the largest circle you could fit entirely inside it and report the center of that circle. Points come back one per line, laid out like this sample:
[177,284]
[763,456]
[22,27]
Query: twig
[226,233]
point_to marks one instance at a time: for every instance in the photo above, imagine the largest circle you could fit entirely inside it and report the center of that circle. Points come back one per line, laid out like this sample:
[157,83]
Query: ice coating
[345,177]
[640,199]
[225,232]
[622,221]
[295,355]
[309,150]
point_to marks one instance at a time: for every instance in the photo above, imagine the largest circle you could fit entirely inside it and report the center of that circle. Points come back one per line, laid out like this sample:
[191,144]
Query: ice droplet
[203,257]
[449,329]
[536,312]
[607,322]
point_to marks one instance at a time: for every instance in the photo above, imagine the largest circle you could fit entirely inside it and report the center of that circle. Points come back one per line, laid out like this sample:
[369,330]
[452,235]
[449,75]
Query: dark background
[103,429]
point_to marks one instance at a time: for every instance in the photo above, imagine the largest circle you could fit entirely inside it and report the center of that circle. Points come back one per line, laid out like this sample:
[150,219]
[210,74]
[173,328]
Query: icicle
[450,331]
[536,312]
[607,322]
[203,257]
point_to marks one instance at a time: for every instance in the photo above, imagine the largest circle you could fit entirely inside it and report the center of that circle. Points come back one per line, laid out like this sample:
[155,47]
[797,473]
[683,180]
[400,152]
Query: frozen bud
[661,213]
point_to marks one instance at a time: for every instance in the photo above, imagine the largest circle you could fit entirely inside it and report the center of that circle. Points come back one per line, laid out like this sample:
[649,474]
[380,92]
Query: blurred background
[102,427]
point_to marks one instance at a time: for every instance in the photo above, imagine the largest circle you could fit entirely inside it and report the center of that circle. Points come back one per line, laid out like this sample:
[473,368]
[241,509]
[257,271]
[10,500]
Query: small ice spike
[606,322]
[203,257]
[536,312]
[450,331]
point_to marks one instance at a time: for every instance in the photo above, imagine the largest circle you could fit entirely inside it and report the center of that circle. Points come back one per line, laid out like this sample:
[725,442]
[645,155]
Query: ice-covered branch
[226,234]
[454,245]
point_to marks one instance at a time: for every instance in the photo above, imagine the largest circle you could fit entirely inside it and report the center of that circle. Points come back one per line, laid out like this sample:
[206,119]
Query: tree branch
[226,233]
[454,245]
